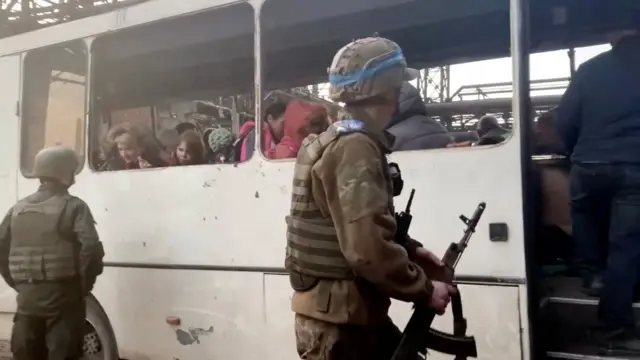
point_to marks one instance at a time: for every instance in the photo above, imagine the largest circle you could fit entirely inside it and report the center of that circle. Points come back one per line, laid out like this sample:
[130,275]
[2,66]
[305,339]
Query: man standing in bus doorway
[51,255]
[343,263]
[598,121]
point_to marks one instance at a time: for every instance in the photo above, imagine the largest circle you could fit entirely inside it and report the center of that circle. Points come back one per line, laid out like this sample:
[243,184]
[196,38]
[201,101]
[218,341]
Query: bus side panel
[9,148]
[233,216]
[493,314]
[247,314]
[167,314]
[448,183]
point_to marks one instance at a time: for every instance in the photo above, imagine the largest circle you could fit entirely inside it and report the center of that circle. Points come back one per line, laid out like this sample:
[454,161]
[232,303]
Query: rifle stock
[418,336]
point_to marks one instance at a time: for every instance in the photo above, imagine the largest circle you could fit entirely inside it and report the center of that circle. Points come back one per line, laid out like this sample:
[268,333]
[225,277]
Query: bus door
[9,147]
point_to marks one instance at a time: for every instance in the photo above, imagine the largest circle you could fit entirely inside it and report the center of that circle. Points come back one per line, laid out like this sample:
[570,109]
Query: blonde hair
[110,140]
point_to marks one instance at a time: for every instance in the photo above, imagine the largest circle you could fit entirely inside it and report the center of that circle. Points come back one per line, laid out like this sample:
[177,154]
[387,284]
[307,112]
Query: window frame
[98,115]
[24,143]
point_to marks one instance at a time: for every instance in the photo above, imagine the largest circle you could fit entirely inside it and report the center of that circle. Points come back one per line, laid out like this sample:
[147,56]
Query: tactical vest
[313,250]
[39,252]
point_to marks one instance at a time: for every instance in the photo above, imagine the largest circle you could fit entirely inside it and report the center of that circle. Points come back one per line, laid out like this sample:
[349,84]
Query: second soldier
[51,255]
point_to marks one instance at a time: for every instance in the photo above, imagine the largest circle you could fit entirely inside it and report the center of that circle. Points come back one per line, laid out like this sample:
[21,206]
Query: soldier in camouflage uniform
[51,255]
[343,263]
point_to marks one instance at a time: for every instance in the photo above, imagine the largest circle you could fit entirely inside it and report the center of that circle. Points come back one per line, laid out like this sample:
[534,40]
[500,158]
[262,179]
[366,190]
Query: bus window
[176,92]
[298,55]
[53,100]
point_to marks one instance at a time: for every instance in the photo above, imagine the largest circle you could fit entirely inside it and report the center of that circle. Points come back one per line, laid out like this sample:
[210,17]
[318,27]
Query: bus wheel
[99,339]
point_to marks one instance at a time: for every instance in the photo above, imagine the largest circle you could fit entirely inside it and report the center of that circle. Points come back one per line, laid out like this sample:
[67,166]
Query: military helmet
[55,162]
[367,67]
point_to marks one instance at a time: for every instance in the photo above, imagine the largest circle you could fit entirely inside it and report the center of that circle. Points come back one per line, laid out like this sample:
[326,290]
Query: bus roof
[436,32]
[431,32]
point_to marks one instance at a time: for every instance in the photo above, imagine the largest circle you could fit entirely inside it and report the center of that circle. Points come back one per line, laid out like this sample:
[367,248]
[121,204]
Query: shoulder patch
[309,139]
[347,126]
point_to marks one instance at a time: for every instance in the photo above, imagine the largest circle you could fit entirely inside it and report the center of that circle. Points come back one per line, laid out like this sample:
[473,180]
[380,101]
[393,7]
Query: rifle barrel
[410,202]
[471,228]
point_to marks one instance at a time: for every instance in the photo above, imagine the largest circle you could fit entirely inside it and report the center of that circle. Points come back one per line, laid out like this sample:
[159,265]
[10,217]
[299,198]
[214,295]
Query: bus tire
[99,340]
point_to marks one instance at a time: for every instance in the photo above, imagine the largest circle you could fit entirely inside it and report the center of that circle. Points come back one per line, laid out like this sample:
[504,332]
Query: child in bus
[127,149]
[301,118]
[190,150]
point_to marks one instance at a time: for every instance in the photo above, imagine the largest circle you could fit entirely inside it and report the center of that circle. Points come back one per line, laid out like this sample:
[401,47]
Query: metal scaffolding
[505,89]
[20,16]
[434,84]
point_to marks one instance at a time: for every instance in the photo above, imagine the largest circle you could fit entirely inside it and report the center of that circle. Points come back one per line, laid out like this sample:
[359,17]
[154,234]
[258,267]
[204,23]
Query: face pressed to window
[183,153]
[128,148]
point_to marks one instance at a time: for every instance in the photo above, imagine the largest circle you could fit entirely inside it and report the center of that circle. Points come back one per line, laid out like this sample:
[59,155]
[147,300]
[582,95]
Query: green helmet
[55,162]
[367,67]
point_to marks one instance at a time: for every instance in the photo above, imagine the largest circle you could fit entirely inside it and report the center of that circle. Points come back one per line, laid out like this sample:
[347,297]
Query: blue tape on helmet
[347,126]
[339,80]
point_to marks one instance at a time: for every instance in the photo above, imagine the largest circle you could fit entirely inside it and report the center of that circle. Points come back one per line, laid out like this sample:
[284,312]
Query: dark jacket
[460,136]
[47,298]
[494,136]
[411,126]
[599,114]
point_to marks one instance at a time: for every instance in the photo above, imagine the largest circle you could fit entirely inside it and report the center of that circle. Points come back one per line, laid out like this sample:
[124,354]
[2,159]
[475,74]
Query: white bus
[194,264]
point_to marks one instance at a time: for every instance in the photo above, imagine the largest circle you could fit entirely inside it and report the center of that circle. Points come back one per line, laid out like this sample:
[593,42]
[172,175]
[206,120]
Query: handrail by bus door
[520,32]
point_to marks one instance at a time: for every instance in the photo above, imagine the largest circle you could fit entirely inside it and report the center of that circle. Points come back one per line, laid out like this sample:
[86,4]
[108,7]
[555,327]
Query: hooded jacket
[411,126]
[248,136]
[300,119]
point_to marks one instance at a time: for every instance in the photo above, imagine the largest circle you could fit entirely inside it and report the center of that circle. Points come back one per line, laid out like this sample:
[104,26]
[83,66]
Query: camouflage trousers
[58,337]
[319,340]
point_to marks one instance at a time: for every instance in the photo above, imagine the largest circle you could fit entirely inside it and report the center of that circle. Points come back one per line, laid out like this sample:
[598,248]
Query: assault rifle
[418,336]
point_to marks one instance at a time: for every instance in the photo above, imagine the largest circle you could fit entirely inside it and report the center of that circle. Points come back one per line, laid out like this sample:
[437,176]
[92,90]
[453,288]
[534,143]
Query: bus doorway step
[567,315]
[579,353]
